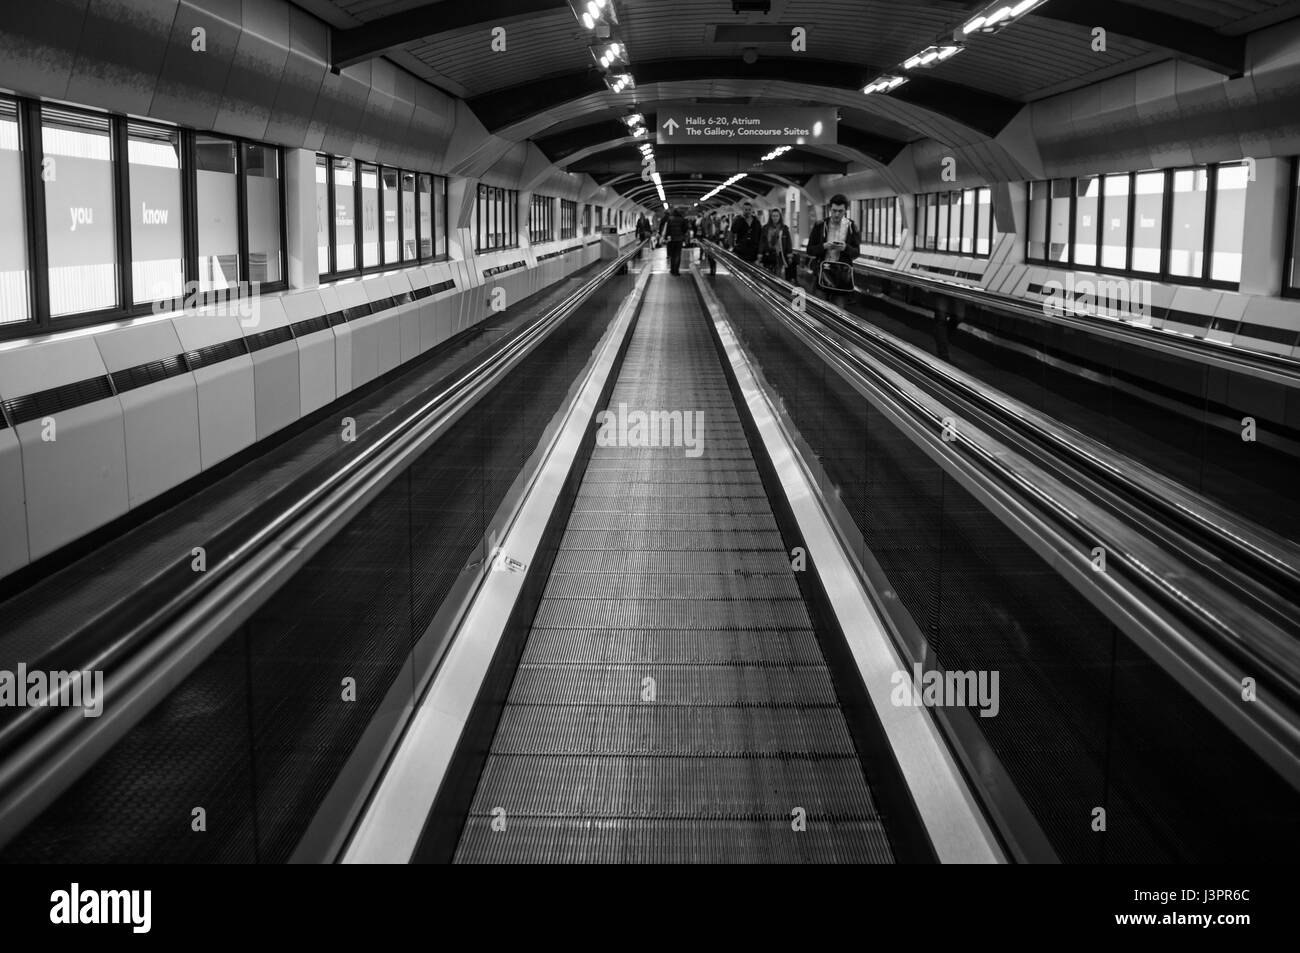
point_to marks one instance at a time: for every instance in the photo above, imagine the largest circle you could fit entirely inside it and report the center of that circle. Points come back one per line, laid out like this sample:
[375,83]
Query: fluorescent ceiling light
[997,16]
[974,24]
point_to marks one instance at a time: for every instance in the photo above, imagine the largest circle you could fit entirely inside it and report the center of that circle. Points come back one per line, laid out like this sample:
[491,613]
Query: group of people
[834,240]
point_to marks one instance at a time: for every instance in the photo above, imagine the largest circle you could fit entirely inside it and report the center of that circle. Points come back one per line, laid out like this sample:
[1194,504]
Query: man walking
[832,246]
[673,232]
[746,231]
[712,233]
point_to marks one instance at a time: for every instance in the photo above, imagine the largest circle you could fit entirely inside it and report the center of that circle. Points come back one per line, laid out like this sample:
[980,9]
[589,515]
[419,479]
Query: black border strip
[501,269]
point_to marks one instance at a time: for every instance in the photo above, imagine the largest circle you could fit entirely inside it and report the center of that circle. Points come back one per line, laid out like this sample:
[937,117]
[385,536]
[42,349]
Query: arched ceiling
[687,188]
[544,85]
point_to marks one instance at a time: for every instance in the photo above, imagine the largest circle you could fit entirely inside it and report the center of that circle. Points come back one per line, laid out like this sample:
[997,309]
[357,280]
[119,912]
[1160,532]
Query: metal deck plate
[672,569]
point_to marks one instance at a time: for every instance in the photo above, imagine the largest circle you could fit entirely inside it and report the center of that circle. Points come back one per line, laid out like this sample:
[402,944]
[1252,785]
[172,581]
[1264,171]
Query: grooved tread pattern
[672,569]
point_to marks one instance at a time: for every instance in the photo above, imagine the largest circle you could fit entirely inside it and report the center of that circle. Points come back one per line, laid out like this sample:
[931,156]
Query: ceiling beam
[359,43]
[561,145]
[1186,39]
[978,110]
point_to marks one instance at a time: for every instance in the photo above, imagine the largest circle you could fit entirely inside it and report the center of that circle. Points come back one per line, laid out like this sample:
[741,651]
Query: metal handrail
[1189,626]
[1276,367]
[1253,548]
[44,749]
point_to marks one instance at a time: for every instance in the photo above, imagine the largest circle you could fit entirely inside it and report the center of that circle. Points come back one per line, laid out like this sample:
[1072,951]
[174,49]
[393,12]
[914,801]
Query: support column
[1263,240]
[300,218]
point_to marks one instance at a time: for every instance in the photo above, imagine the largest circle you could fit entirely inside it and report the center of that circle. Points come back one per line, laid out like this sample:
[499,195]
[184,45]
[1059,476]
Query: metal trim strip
[389,830]
[947,807]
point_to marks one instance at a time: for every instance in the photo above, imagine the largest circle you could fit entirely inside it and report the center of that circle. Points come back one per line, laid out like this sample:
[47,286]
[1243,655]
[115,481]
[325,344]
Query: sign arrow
[671,125]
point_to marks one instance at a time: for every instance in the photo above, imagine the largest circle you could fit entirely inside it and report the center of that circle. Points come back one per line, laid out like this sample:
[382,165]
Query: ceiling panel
[1033,58]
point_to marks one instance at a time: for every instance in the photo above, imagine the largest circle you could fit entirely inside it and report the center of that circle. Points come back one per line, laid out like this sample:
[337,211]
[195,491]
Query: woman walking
[775,250]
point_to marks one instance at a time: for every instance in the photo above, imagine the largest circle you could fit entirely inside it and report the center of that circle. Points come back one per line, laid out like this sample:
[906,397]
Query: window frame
[35,234]
[541,219]
[334,274]
[495,214]
[922,240]
[1162,275]
[571,232]
[878,221]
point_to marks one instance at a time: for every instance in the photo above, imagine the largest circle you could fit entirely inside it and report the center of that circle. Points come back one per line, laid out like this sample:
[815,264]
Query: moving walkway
[490,635]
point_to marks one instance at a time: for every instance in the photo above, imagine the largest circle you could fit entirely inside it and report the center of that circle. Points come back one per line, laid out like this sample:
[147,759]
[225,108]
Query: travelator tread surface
[672,568]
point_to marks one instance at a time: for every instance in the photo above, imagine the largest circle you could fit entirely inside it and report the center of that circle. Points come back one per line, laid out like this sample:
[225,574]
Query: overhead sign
[756,125]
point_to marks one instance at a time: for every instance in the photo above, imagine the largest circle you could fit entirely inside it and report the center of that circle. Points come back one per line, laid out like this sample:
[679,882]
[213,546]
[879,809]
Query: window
[427,217]
[541,219]
[586,220]
[1229,222]
[80,223]
[410,245]
[969,217]
[942,224]
[1187,222]
[568,219]
[218,212]
[1182,225]
[496,218]
[1058,221]
[388,185]
[1148,220]
[323,214]
[1114,233]
[1037,237]
[440,215]
[402,220]
[1087,195]
[262,212]
[126,214]
[369,215]
[14,305]
[985,224]
[958,222]
[157,240]
[345,215]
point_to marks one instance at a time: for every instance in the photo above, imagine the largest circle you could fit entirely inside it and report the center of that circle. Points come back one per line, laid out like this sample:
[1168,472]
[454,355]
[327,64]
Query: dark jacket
[817,243]
[775,246]
[643,228]
[674,228]
[745,237]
